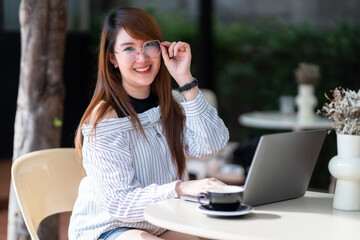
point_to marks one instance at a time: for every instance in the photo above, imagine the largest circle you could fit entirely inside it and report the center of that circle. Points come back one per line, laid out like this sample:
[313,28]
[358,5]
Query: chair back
[210,96]
[46,182]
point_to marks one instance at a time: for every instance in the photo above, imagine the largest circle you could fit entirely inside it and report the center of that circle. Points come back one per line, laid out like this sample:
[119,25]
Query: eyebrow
[127,43]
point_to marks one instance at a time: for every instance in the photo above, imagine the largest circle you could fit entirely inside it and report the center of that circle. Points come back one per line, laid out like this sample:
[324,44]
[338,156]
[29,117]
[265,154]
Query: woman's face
[141,72]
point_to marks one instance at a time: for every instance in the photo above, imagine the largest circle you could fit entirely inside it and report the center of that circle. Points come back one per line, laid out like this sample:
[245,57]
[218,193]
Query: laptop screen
[282,166]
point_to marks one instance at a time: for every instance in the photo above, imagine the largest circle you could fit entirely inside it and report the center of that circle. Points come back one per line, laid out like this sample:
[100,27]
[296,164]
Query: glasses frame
[142,49]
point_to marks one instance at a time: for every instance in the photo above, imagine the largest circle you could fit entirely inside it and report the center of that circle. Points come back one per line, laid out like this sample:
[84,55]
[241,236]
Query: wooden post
[41,93]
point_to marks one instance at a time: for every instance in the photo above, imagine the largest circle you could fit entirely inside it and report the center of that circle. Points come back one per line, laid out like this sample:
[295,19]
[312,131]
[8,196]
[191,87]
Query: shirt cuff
[196,106]
[169,190]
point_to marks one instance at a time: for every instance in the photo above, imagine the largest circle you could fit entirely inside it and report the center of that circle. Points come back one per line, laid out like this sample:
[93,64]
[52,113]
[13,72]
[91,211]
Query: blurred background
[246,51]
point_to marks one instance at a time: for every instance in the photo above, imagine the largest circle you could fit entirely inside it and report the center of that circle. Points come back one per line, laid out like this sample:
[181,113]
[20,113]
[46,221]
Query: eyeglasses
[150,49]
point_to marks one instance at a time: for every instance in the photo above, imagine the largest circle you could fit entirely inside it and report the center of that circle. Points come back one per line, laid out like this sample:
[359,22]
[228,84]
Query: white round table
[276,120]
[310,217]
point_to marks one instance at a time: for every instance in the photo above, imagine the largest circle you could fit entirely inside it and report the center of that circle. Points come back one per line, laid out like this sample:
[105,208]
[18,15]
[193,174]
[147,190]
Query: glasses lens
[131,57]
[152,49]
[129,54]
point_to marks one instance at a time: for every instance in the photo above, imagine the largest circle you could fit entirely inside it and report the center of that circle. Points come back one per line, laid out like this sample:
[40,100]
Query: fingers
[180,47]
[216,182]
[164,53]
[175,47]
[194,187]
[166,43]
[213,182]
[220,183]
[171,49]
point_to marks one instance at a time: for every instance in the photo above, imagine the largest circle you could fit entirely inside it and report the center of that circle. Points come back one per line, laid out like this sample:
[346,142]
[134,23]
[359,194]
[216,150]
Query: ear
[113,60]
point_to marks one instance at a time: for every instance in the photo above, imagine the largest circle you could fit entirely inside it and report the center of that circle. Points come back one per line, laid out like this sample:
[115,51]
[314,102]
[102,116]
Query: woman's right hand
[177,59]
[194,187]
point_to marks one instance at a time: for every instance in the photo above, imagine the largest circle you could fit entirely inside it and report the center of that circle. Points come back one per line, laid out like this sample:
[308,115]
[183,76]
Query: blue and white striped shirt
[126,172]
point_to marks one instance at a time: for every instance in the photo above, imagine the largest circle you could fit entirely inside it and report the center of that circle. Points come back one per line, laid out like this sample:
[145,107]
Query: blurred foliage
[255,63]
[175,25]
[255,66]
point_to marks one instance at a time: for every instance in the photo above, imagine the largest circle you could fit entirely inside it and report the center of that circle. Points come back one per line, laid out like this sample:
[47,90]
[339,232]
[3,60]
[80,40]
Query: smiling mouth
[144,69]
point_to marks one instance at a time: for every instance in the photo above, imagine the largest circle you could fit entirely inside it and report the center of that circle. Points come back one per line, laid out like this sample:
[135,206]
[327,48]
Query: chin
[145,81]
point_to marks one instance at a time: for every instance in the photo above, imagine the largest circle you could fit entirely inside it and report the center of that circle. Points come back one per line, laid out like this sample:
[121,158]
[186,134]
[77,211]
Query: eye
[153,44]
[129,49]
[149,44]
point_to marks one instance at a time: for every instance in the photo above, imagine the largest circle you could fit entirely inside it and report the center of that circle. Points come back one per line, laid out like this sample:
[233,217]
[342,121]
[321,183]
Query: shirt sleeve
[205,132]
[109,165]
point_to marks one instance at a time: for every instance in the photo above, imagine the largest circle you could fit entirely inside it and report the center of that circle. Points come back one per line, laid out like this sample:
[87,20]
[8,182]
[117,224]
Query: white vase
[306,102]
[346,168]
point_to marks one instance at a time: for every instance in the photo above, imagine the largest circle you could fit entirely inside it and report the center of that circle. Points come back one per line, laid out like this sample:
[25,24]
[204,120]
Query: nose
[141,57]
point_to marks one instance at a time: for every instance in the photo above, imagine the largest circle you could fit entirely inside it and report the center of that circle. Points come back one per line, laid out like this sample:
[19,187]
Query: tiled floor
[5,175]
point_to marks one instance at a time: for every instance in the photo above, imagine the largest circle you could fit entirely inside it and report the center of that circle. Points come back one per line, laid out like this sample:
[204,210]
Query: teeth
[142,69]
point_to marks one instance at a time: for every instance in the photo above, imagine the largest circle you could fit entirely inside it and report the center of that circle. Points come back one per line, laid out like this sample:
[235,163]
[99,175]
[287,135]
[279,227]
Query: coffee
[221,198]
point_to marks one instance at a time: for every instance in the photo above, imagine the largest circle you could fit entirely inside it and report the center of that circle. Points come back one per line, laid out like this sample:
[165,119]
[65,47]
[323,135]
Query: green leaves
[263,58]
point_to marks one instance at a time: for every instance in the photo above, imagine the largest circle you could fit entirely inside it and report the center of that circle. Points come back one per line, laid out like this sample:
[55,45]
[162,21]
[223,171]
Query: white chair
[46,182]
[211,97]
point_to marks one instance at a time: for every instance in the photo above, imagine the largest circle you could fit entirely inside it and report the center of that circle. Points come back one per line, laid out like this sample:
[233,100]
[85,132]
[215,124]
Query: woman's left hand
[177,58]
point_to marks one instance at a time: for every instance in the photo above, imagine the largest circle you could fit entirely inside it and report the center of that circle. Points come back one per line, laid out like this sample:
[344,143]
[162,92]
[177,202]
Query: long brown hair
[139,25]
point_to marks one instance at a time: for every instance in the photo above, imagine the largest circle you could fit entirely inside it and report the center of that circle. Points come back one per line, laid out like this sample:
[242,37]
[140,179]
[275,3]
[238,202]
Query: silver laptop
[282,166]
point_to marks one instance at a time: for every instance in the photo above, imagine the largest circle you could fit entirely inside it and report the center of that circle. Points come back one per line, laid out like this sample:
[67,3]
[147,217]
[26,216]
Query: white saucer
[242,210]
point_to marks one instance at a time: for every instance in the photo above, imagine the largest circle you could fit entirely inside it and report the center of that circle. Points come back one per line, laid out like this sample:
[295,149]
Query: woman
[133,136]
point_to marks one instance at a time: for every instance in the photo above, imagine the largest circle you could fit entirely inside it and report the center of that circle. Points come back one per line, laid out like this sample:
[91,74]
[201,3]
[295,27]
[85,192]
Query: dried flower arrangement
[307,73]
[344,111]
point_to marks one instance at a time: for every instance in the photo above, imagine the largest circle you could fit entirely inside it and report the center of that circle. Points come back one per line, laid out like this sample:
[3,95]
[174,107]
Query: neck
[139,93]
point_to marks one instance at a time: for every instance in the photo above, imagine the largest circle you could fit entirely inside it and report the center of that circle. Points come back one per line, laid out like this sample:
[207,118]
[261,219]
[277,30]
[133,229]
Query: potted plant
[344,112]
